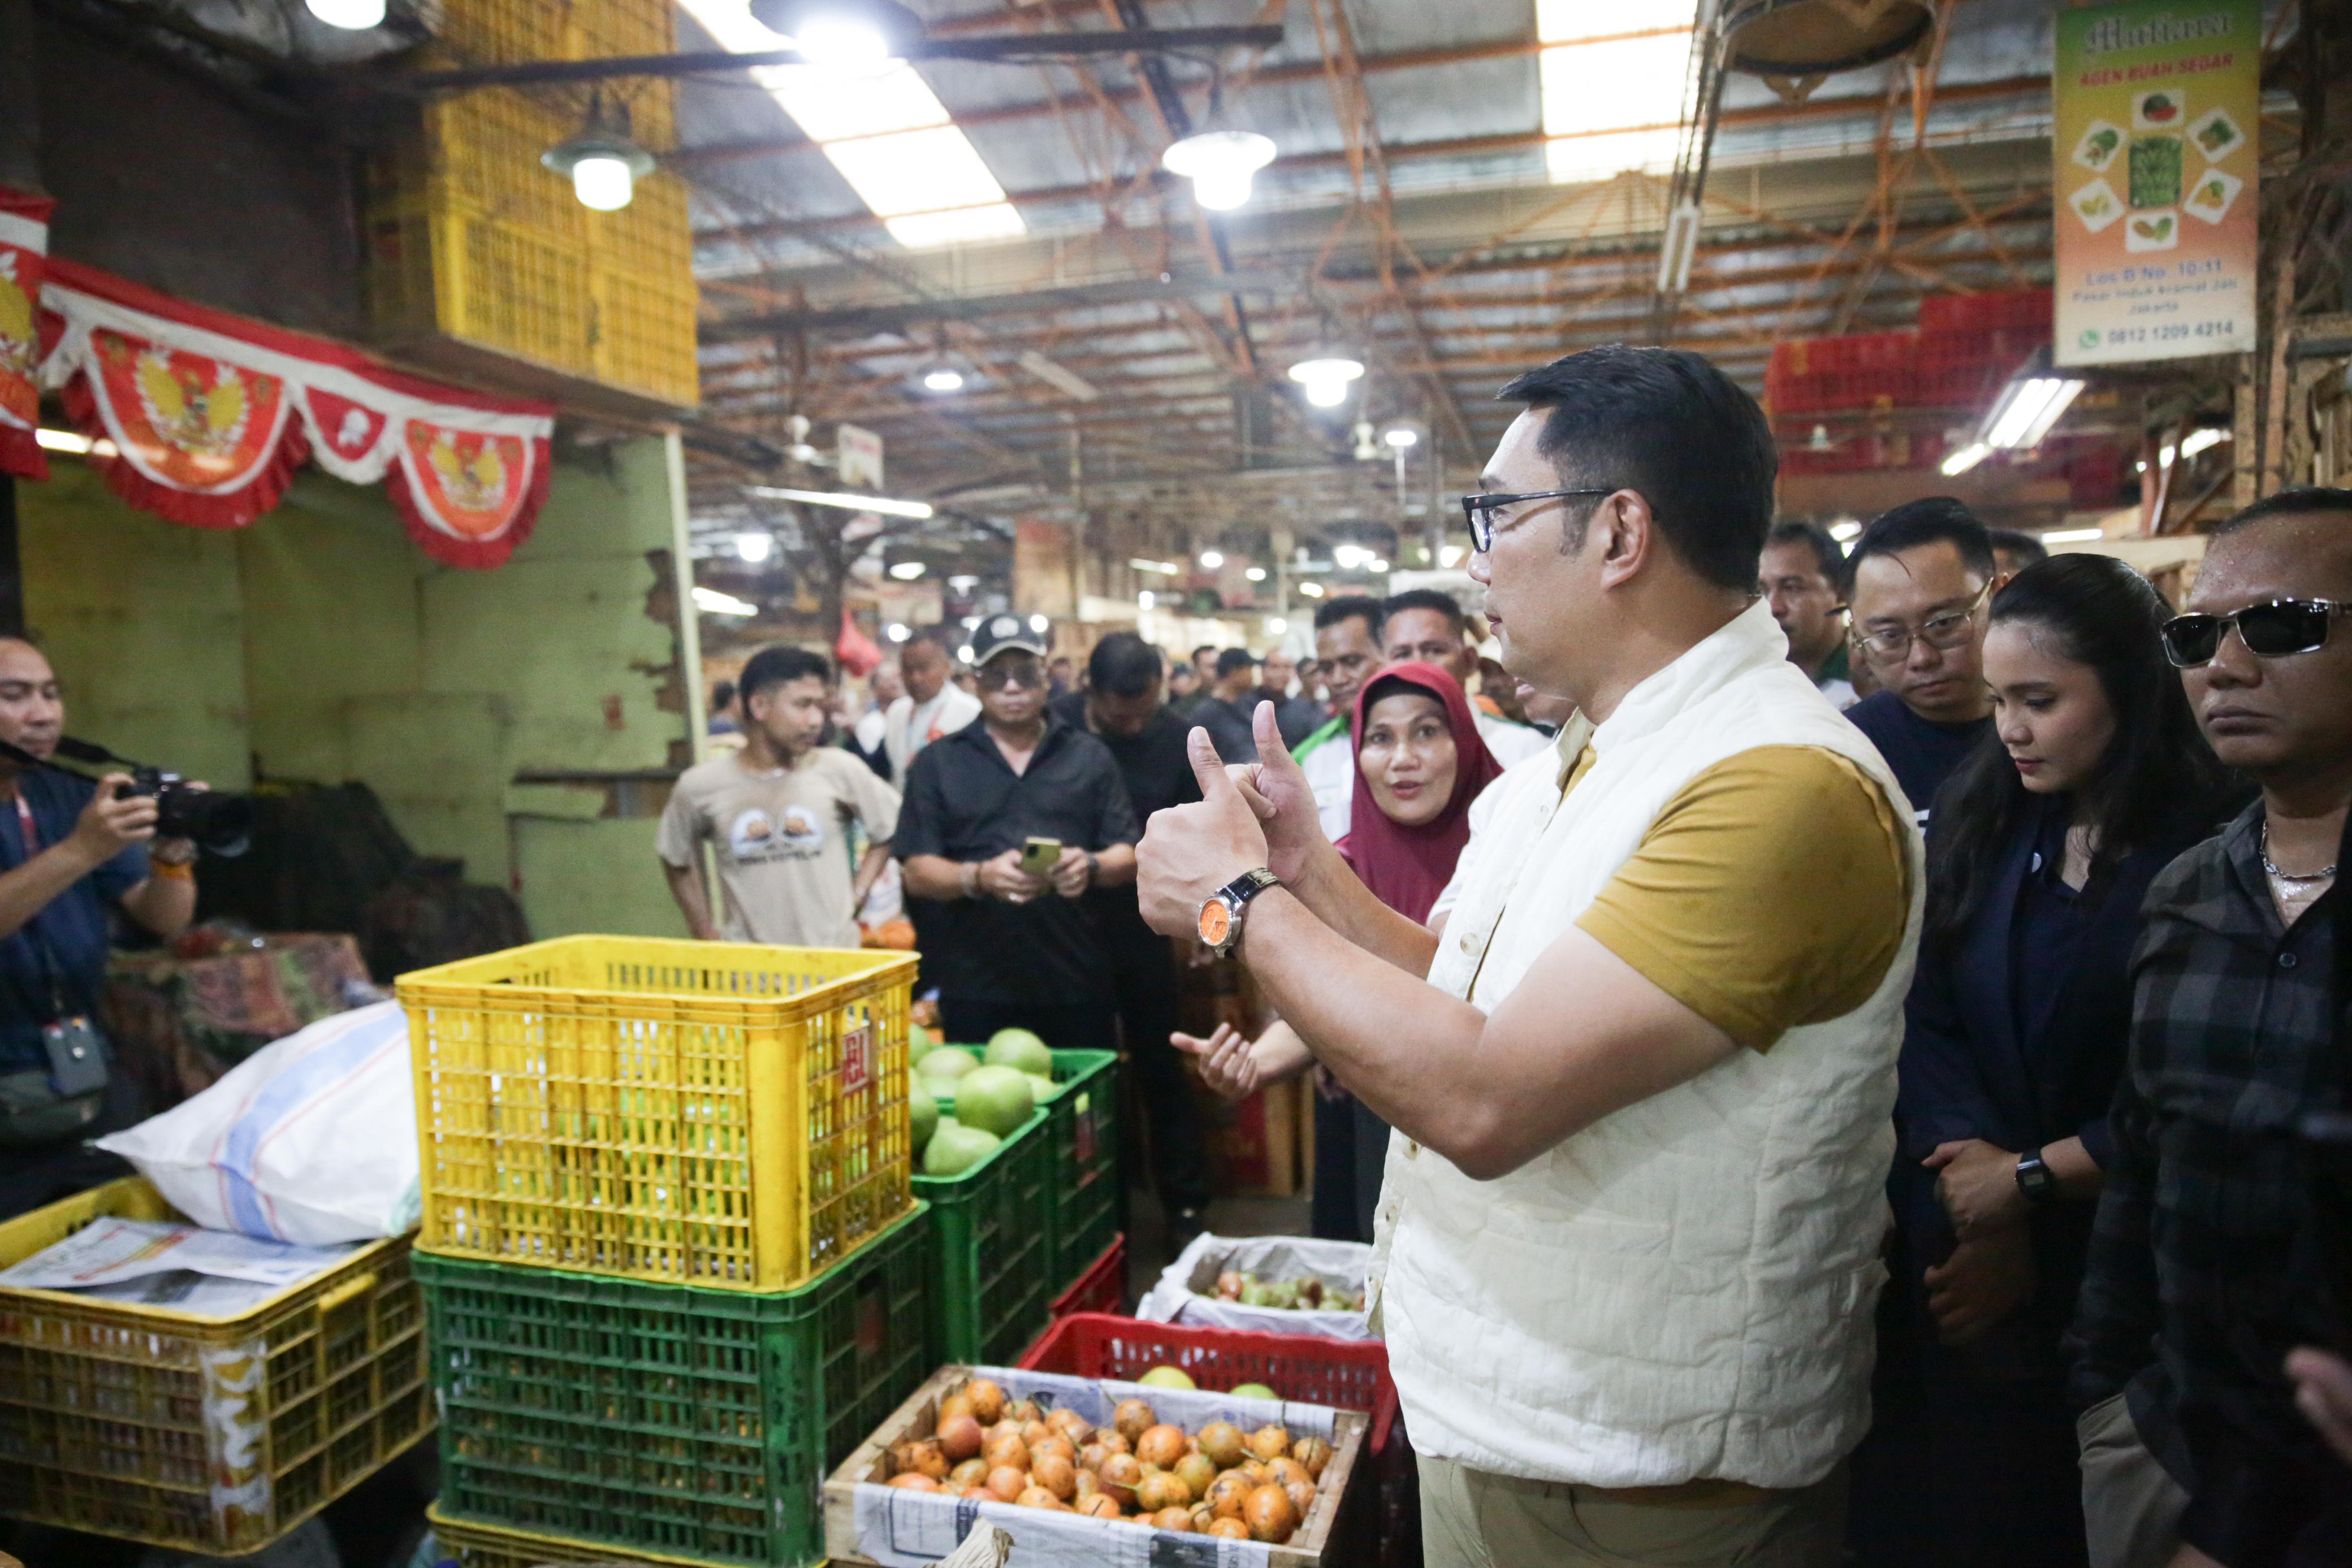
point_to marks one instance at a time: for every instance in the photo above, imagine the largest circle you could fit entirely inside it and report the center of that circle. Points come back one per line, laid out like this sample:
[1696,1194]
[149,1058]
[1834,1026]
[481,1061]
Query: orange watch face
[1216,922]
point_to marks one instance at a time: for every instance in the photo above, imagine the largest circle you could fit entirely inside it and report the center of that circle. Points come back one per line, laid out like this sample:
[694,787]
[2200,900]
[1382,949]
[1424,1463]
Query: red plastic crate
[2011,310]
[1964,368]
[1861,370]
[1344,1374]
[1101,1289]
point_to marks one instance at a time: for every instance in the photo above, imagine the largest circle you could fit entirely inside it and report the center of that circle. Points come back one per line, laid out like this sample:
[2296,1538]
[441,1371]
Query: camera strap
[29,832]
[76,1058]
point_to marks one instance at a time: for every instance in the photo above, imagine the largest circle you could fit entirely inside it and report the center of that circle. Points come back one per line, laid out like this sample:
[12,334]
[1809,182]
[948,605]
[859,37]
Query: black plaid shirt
[2204,1251]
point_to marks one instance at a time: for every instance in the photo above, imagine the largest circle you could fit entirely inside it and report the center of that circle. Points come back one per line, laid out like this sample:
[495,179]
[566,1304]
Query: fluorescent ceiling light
[710,601]
[897,632]
[887,132]
[1846,529]
[1311,590]
[1164,568]
[74,442]
[943,379]
[1449,555]
[881,504]
[1958,462]
[964,652]
[1212,559]
[2197,441]
[2072,536]
[1401,437]
[907,570]
[1276,625]
[1039,624]
[2028,409]
[1379,566]
[1348,558]
[754,547]
[1060,377]
[1143,599]
[1613,79]
[1255,574]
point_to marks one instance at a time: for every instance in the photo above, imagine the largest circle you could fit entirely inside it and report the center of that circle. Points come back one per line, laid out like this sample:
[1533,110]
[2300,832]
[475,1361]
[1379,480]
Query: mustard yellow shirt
[1771,892]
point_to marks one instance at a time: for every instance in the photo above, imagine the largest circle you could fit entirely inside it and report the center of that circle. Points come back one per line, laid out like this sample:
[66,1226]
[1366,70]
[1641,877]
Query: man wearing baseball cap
[1005,947]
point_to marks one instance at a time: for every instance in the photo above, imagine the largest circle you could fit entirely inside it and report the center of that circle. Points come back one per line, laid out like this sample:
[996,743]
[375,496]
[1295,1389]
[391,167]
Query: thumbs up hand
[1189,851]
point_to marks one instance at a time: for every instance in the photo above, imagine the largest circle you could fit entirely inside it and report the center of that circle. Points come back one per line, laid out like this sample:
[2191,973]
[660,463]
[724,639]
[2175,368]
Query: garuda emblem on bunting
[24,244]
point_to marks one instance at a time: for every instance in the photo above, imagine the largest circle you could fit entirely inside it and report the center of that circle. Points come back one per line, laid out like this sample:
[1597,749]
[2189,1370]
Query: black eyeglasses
[1478,510]
[2271,630]
[994,677]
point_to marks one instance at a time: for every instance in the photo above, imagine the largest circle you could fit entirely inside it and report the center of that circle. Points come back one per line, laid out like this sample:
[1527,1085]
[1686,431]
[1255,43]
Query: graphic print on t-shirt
[757,838]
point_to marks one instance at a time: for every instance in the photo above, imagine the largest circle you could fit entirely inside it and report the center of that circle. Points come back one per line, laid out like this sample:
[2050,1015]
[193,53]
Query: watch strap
[2034,1177]
[1246,886]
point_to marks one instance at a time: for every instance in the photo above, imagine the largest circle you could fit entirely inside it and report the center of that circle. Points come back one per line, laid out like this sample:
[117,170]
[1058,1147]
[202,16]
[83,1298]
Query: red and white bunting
[210,414]
[24,250]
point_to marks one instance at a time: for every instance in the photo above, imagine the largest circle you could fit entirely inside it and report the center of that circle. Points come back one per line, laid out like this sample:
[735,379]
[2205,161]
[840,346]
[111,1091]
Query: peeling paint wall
[322,644]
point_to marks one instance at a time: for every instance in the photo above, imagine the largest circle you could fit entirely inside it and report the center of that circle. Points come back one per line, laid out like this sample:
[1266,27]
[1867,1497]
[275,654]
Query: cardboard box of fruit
[1093,1474]
[1264,1284]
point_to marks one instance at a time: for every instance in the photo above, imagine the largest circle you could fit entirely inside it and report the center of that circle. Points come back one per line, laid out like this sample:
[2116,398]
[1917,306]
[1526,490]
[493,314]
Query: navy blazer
[1967,1073]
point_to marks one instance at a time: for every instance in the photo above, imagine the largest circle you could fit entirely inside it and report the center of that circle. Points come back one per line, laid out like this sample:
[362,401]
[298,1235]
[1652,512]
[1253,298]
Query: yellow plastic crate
[214,1435]
[704,1113]
[644,337]
[479,1546]
[502,32]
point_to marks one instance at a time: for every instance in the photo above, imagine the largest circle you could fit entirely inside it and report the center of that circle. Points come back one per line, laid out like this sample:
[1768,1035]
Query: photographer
[69,850]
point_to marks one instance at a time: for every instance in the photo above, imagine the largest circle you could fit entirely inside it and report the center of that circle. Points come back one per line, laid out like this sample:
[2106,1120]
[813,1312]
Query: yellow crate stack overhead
[479,261]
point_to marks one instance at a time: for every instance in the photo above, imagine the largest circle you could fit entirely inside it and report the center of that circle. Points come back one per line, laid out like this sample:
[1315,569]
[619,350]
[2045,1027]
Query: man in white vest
[1642,1075]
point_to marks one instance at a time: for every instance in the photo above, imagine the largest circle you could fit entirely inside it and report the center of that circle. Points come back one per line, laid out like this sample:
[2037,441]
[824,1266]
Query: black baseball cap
[1002,633]
[1234,659]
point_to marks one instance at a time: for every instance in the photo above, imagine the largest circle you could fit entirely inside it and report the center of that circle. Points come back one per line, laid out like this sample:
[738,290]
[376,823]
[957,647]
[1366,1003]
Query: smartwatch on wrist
[1221,913]
[2034,1177]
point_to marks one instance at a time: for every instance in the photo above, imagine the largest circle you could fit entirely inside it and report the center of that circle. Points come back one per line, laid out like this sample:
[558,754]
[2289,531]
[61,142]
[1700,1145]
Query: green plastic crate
[990,1279]
[665,1418]
[1082,1124]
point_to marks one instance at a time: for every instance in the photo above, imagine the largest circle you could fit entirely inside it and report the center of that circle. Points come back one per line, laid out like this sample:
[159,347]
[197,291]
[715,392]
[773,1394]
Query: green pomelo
[1167,1377]
[994,1099]
[948,1063]
[955,1148]
[1021,1051]
[922,1111]
[1255,1391]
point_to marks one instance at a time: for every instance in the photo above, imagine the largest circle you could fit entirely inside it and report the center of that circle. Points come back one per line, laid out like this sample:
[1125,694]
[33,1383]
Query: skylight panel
[1612,78]
[887,132]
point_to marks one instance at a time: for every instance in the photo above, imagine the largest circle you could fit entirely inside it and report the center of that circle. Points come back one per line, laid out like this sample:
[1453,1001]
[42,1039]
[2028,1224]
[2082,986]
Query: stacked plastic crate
[1971,344]
[479,259]
[673,1269]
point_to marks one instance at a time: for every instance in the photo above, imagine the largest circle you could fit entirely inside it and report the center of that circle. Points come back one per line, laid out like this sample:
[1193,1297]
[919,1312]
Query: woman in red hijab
[1419,764]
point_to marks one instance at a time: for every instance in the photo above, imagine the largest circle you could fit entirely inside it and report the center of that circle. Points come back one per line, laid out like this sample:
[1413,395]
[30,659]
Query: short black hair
[722,695]
[1234,659]
[2027,548]
[1203,648]
[1350,607]
[774,666]
[2300,501]
[1435,598]
[945,639]
[1668,423]
[1932,520]
[1123,664]
[1815,538]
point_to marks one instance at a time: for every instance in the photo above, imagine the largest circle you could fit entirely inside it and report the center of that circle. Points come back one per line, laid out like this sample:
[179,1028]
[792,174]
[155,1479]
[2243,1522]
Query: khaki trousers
[1470,1519]
[2131,1507]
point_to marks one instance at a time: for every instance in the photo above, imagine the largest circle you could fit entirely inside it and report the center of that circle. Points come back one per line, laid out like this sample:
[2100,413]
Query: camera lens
[221,824]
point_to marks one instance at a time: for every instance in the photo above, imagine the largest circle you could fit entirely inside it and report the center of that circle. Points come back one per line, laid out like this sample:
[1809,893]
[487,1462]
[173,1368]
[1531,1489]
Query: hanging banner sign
[24,251]
[2156,153]
[211,414]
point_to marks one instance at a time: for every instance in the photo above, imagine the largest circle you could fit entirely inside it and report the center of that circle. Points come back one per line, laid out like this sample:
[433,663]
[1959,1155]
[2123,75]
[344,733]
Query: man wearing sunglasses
[1641,1074]
[2207,1242]
[1923,577]
[1007,948]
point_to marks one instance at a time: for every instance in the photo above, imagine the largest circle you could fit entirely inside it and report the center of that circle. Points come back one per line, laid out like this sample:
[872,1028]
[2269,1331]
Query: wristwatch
[2034,1177]
[1221,913]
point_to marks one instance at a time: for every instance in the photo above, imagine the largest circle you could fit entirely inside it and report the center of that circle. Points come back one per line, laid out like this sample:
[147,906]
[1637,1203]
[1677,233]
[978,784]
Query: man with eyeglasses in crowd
[1640,1076]
[1006,949]
[1923,578]
[2208,1243]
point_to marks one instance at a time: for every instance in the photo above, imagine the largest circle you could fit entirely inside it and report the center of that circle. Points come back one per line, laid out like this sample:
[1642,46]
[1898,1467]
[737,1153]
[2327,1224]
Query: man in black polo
[1006,949]
[1122,708]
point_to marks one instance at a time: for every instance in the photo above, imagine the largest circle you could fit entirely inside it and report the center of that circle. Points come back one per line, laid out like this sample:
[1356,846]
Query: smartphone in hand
[1039,856]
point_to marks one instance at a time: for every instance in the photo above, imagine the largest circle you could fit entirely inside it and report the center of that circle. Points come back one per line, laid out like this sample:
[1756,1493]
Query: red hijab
[1407,868]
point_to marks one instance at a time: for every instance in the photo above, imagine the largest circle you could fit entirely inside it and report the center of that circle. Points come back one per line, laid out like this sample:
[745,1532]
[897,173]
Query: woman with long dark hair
[2039,848]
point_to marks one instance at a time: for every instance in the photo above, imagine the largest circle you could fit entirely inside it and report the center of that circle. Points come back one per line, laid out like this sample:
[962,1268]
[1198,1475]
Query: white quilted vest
[1683,1289]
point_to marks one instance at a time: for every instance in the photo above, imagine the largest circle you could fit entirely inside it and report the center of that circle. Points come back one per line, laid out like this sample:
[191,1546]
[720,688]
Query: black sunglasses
[1478,510]
[2271,630]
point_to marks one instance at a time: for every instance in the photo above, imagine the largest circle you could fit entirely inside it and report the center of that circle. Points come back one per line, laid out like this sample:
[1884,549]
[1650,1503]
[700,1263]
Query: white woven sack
[1187,1288]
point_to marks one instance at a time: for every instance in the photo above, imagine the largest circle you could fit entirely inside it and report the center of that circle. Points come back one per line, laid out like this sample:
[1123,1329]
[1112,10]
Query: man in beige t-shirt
[778,812]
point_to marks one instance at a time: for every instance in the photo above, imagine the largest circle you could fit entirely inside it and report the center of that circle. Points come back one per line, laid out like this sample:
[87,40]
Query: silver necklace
[2277,875]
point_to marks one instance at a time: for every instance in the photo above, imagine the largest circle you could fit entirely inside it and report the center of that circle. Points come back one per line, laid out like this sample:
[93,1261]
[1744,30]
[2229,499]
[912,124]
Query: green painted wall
[320,644]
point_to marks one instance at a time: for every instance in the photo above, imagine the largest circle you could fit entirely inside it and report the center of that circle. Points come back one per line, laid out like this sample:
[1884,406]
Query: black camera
[218,824]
